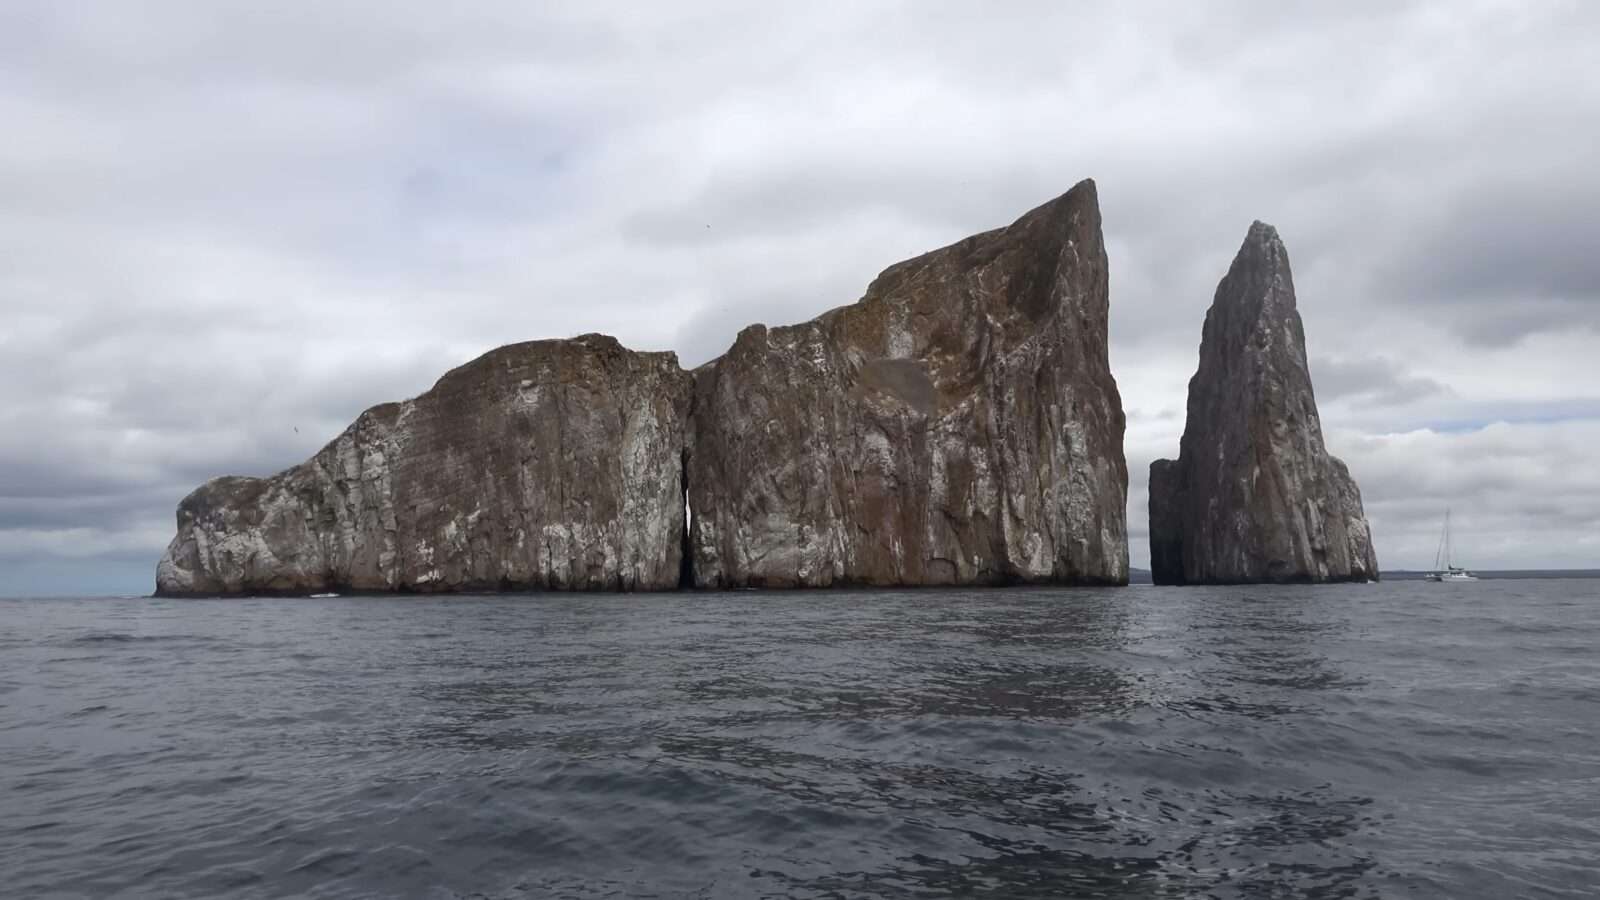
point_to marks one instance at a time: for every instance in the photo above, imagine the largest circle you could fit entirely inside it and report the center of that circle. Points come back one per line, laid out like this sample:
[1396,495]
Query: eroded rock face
[957,425]
[547,464]
[1254,496]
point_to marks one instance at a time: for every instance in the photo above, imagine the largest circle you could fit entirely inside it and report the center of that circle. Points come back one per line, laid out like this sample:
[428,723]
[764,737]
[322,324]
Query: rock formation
[548,464]
[1254,496]
[958,425]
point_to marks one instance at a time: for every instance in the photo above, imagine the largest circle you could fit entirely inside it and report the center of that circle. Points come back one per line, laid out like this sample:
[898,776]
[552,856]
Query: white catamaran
[1447,571]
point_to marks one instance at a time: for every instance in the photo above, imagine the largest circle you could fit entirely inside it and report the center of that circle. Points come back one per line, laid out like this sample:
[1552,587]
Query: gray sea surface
[1403,739]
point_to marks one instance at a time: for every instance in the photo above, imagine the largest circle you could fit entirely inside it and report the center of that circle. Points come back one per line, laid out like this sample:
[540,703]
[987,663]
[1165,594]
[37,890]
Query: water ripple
[1355,742]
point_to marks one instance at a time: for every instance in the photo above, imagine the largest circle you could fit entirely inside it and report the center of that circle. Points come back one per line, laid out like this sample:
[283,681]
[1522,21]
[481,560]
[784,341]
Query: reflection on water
[1150,743]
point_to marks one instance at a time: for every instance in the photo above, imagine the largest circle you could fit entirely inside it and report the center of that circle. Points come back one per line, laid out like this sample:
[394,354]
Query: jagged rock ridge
[1254,495]
[958,425]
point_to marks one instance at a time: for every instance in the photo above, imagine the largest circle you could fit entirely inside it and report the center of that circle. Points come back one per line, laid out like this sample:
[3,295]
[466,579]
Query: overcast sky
[222,222]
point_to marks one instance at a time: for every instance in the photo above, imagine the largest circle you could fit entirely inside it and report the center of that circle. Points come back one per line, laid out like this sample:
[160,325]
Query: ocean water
[1393,740]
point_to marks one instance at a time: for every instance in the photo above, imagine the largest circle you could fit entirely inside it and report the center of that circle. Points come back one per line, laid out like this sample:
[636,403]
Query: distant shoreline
[1503,574]
[1135,577]
[1142,576]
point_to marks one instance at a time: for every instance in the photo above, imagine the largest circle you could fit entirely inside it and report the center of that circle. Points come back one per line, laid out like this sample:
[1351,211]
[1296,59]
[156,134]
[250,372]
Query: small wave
[114,637]
[330,861]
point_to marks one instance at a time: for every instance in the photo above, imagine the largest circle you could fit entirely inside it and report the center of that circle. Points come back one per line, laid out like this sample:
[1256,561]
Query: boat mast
[1442,553]
[1448,563]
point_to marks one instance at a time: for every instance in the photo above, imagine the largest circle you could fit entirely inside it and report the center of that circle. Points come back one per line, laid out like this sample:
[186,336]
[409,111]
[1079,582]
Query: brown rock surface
[957,425]
[547,464]
[1254,495]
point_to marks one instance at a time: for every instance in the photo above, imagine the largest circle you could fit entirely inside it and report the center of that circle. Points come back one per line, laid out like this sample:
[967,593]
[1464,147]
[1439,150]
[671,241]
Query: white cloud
[1521,496]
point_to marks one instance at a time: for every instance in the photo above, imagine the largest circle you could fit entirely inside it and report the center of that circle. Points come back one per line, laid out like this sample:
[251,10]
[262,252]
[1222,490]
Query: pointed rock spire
[1254,495]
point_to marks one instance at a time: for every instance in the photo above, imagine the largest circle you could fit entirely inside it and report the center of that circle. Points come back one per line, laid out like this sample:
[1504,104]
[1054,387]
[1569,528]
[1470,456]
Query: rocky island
[957,425]
[1254,495]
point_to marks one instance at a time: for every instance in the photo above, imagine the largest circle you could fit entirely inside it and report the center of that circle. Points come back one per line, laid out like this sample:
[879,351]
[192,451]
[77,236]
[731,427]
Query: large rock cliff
[1254,495]
[548,464]
[957,425]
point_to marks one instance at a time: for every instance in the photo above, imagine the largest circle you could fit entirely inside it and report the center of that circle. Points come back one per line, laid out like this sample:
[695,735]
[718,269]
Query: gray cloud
[1510,258]
[222,222]
[1372,380]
